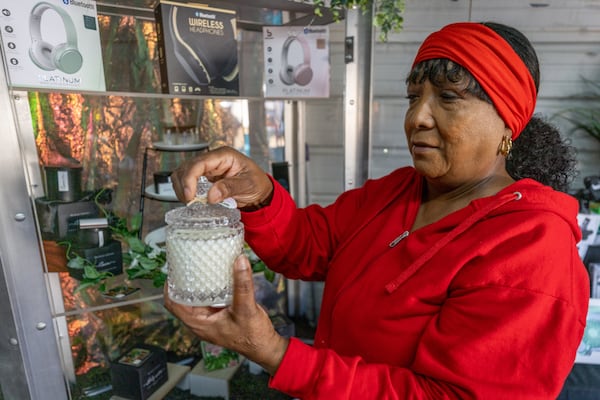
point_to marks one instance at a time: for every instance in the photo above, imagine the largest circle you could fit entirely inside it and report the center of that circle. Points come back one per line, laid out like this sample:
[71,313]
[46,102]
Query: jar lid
[200,214]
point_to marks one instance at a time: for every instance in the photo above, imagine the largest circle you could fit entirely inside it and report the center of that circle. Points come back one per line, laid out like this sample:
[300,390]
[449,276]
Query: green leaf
[136,244]
[84,285]
[269,275]
[258,266]
[136,273]
[90,272]
[147,263]
[76,263]
[136,222]
[159,280]
[127,258]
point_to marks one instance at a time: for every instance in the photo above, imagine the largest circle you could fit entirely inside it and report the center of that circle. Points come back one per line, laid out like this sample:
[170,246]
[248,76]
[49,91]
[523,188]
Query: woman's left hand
[244,326]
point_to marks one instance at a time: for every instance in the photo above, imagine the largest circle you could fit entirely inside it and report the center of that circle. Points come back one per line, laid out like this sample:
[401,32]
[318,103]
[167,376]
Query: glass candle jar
[202,240]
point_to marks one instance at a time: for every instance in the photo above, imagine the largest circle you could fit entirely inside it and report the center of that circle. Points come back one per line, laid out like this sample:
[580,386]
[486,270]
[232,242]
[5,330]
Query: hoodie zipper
[394,242]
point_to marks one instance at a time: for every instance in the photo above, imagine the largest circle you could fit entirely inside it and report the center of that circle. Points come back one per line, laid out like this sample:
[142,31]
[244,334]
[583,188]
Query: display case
[71,332]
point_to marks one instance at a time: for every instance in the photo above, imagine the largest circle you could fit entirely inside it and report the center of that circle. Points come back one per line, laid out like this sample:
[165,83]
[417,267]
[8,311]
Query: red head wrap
[492,62]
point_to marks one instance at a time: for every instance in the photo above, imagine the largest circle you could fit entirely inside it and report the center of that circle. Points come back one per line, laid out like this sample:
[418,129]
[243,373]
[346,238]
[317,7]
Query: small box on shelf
[108,258]
[162,183]
[138,373]
[217,357]
[212,383]
[59,219]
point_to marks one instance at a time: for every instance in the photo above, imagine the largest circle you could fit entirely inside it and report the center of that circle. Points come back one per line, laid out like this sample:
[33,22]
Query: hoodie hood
[538,197]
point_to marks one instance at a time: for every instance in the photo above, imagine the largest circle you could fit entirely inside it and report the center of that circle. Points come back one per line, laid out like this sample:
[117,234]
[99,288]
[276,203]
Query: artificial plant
[142,261]
[387,14]
[585,119]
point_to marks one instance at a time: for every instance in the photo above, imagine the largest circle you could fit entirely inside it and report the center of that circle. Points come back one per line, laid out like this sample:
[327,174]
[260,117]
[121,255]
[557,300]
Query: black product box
[59,220]
[139,372]
[197,49]
[108,258]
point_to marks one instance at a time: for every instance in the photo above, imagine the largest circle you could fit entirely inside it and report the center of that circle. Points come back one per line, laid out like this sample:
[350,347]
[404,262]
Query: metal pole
[357,97]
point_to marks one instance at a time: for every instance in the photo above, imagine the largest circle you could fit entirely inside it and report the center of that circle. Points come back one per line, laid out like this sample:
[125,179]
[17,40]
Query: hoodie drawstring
[463,226]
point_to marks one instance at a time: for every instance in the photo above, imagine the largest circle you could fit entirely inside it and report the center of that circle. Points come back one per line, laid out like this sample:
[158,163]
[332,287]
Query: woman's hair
[539,152]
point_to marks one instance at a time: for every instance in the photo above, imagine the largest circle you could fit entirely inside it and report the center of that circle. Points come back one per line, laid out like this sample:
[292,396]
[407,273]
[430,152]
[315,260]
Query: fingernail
[218,193]
[241,264]
[187,192]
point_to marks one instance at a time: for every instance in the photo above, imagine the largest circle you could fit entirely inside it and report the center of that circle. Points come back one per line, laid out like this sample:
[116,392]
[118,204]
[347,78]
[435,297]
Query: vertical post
[30,364]
[295,149]
[357,97]
[295,154]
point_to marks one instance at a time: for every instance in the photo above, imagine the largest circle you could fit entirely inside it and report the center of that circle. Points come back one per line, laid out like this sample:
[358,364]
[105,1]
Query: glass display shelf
[107,133]
[142,95]
[150,192]
[68,301]
[166,146]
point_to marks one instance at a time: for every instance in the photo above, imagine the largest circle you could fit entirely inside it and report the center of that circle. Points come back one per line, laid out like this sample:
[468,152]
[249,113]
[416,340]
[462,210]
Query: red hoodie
[490,302]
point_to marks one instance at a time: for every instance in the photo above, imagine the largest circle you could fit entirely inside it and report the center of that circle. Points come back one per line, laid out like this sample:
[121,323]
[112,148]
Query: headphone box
[139,372]
[52,44]
[60,220]
[197,49]
[296,61]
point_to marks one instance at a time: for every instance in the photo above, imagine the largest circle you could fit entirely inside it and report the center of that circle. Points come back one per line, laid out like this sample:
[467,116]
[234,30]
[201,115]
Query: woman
[449,280]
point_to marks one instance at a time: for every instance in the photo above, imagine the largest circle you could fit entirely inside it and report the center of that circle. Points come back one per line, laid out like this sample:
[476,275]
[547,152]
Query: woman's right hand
[232,173]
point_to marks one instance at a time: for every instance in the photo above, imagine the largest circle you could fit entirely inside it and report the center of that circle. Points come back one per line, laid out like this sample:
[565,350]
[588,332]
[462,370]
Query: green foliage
[218,357]
[145,261]
[91,276]
[388,14]
[260,266]
[257,264]
[586,119]
[141,260]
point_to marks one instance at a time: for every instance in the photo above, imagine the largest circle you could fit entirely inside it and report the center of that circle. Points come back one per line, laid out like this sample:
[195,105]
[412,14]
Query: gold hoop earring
[505,146]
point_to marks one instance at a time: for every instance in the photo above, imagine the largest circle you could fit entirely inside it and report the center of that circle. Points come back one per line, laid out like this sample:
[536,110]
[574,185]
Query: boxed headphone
[296,61]
[197,49]
[52,44]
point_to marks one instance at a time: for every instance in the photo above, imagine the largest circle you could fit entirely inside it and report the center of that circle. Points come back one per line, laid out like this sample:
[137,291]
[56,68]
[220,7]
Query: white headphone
[301,74]
[64,56]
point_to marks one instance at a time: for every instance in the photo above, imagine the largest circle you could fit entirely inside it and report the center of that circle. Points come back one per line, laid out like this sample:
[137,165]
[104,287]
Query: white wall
[565,34]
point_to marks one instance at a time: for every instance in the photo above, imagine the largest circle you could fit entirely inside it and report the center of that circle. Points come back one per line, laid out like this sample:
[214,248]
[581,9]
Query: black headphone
[302,73]
[64,56]
[203,60]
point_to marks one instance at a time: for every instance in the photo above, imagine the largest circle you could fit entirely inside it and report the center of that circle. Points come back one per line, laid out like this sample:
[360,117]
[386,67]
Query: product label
[52,44]
[63,181]
[166,188]
[135,357]
[229,203]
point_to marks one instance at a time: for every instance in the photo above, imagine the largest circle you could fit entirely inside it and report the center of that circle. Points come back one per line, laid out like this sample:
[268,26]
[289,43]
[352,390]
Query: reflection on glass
[107,135]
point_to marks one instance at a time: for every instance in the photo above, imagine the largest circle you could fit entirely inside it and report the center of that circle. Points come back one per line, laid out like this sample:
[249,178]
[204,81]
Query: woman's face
[452,135]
